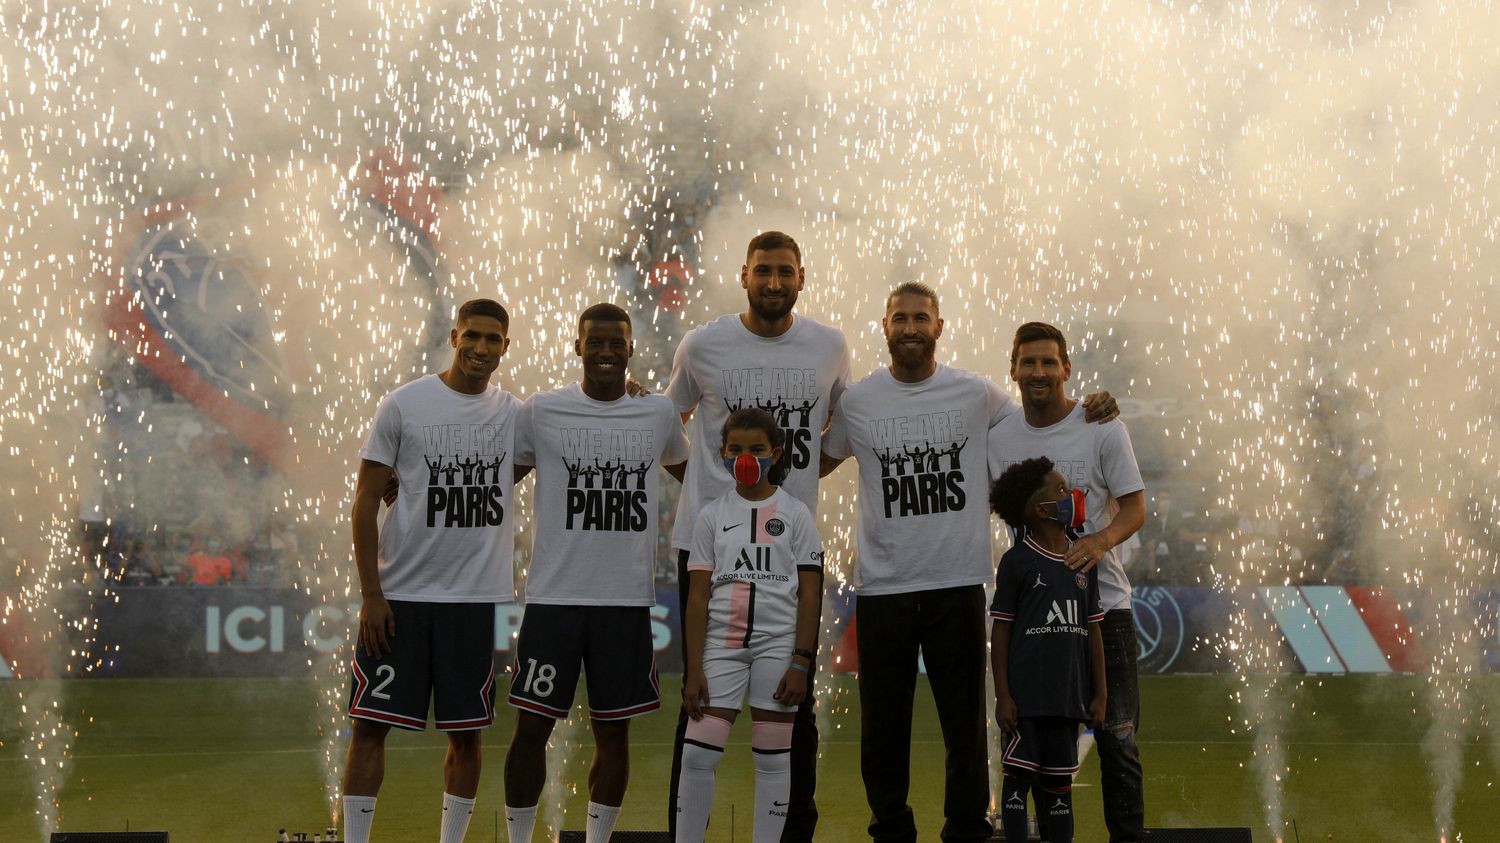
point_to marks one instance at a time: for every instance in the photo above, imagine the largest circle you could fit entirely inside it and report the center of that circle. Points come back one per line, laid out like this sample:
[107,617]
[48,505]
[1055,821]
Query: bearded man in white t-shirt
[795,368]
[431,573]
[1098,461]
[917,430]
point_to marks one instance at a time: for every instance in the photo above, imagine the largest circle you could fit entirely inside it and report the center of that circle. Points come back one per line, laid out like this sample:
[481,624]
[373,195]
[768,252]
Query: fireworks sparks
[1270,227]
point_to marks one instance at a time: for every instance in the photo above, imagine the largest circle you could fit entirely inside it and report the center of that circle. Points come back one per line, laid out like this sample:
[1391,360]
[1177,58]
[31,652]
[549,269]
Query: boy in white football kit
[597,454]
[1099,460]
[430,576]
[750,623]
[793,367]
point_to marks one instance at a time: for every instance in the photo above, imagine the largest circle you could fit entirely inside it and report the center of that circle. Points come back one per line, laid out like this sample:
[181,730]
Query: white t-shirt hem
[587,601]
[429,598]
[906,588]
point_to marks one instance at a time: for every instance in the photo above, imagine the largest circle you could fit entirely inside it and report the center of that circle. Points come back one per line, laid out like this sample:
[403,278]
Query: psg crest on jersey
[1082,579]
[775,527]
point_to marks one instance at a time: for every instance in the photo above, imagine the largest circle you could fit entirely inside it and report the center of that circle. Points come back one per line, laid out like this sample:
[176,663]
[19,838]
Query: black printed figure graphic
[805,409]
[589,473]
[472,503]
[640,474]
[952,452]
[901,460]
[463,498]
[776,409]
[613,505]
[451,470]
[930,487]
[468,466]
[734,405]
[919,457]
[607,472]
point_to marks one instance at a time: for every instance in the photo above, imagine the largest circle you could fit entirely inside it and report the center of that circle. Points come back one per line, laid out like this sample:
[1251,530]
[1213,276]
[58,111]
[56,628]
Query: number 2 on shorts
[539,678]
[389,674]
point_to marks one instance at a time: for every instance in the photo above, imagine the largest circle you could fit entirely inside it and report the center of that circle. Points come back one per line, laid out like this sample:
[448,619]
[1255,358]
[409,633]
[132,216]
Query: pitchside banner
[273,632]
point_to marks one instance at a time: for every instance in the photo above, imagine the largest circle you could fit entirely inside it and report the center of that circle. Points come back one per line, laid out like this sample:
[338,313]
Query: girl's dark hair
[754,418]
[1015,487]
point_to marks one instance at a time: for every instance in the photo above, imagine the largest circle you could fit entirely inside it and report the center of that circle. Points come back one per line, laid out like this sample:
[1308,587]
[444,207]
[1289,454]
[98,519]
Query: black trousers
[1120,772]
[802,813]
[947,627]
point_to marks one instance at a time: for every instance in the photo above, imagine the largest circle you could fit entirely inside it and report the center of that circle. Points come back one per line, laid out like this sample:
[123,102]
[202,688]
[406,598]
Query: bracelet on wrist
[806,654]
[801,667]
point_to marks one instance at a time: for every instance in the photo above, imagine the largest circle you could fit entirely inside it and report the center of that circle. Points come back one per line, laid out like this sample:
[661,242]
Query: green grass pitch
[234,760]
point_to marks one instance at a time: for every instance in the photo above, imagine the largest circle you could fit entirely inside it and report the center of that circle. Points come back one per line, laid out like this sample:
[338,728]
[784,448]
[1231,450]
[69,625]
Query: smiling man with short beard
[917,430]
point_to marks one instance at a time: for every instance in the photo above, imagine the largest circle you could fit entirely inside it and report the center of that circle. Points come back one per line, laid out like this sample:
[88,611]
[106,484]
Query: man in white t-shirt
[590,588]
[917,430]
[793,367]
[431,573]
[1099,461]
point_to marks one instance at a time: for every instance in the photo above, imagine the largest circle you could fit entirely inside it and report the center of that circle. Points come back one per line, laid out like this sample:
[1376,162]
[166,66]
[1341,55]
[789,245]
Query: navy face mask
[746,469]
[1070,512]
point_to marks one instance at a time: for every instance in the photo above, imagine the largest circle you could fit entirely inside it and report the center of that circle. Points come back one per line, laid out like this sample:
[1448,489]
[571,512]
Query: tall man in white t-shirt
[590,587]
[1098,460]
[431,574]
[795,368]
[917,430]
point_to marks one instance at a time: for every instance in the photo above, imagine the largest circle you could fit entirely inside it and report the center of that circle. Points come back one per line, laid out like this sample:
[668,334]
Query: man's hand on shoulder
[1100,407]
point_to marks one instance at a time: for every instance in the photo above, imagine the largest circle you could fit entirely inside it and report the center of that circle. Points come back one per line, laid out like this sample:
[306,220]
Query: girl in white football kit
[751,622]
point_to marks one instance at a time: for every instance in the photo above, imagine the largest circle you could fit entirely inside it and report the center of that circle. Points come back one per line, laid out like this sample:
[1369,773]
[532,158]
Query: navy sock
[1013,808]
[1058,810]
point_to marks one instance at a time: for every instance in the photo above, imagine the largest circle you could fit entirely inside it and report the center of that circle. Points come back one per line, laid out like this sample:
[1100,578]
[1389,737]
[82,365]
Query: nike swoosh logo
[732,526]
[372,810]
[780,804]
[593,816]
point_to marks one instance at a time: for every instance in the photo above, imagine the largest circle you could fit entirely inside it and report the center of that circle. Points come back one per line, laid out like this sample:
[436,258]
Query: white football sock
[772,746]
[359,815]
[456,813]
[518,823]
[702,750]
[601,822]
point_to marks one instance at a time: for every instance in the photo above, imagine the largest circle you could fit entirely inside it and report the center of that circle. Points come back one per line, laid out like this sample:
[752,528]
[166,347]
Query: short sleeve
[1003,606]
[841,374]
[836,438]
[1095,603]
[999,403]
[525,437]
[677,449]
[807,545]
[1117,461]
[383,443]
[701,558]
[682,387]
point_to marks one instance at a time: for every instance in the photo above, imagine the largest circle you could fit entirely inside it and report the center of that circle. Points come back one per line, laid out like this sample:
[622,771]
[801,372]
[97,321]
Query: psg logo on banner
[196,321]
[1159,628]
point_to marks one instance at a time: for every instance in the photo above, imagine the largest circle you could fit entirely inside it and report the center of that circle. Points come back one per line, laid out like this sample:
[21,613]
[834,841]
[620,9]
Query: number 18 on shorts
[609,645]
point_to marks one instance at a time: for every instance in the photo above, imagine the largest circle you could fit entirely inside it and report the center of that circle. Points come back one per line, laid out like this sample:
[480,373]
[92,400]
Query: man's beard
[904,356]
